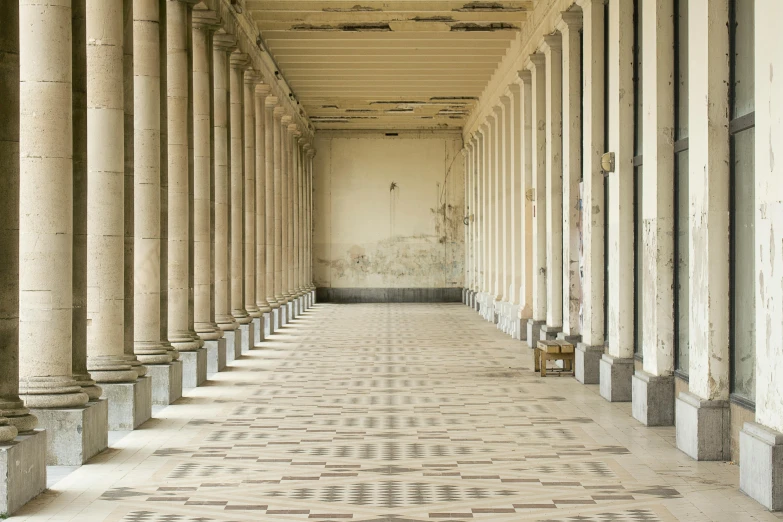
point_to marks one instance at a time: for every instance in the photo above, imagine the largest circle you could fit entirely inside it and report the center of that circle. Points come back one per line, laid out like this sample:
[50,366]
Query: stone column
[497,208]
[702,413]
[290,248]
[517,327]
[45,222]
[761,442]
[310,210]
[261,93]
[271,211]
[617,365]
[475,220]
[653,388]
[526,192]
[205,22]
[569,26]
[293,162]
[239,62]
[129,397]
[537,68]
[252,78]
[489,213]
[304,147]
[278,155]
[484,218]
[22,463]
[504,125]
[552,49]
[590,350]
[150,347]
[178,80]
[285,204]
[223,45]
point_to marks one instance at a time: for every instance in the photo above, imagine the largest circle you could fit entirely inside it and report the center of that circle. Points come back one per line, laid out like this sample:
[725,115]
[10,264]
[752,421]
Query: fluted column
[46,209]
[178,85]
[239,62]
[249,129]
[278,156]
[204,23]
[14,417]
[271,206]
[261,93]
[223,45]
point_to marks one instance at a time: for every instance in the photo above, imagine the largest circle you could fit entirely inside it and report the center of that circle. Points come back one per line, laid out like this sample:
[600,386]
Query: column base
[653,399]
[515,324]
[702,427]
[276,319]
[22,471]
[216,356]
[246,343]
[615,378]
[761,465]
[549,333]
[573,339]
[534,332]
[233,344]
[289,312]
[494,316]
[282,316]
[588,359]
[268,324]
[166,382]
[194,368]
[74,435]
[130,403]
[258,331]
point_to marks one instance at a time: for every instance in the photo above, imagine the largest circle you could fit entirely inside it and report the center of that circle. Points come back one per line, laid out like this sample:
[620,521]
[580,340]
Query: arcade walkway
[394,413]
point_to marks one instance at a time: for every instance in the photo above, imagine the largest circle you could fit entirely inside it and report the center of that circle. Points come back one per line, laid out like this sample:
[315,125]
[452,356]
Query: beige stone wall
[368,235]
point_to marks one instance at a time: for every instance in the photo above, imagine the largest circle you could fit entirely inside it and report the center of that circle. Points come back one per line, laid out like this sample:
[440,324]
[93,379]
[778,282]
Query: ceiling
[372,64]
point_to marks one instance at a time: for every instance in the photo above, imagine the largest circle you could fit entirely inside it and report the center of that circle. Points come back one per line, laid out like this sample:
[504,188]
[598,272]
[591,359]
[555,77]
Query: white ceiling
[404,64]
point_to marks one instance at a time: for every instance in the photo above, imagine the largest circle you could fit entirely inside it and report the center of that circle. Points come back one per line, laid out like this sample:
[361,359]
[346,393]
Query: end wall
[388,216]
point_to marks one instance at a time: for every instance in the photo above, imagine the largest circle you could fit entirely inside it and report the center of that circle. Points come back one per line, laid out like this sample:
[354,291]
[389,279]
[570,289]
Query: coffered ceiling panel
[404,64]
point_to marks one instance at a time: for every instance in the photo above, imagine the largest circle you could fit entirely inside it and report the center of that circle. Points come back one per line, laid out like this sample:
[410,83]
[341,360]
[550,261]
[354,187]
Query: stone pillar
[150,347]
[271,212]
[294,219]
[46,226]
[590,350]
[205,22]
[653,387]
[490,161]
[475,220]
[129,397]
[290,248]
[485,218]
[526,191]
[517,329]
[569,26]
[22,450]
[239,62]
[261,93]
[285,207]
[537,67]
[552,48]
[185,341]
[278,155]
[702,413]
[223,45]
[310,191]
[252,78]
[761,442]
[505,208]
[304,147]
[497,207]
[479,219]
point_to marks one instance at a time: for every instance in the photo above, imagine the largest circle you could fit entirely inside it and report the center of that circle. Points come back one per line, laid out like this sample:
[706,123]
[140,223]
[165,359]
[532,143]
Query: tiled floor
[395,413]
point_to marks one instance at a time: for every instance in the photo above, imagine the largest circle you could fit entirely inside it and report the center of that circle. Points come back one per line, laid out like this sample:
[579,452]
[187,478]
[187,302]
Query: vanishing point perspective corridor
[394,413]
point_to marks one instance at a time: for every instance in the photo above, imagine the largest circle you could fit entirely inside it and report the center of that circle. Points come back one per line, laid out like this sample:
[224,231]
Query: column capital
[525,76]
[311,152]
[498,109]
[552,42]
[293,128]
[271,101]
[279,113]
[252,77]
[536,59]
[304,142]
[505,98]
[239,60]
[286,118]
[206,19]
[569,20]
[223,41]
[263,89]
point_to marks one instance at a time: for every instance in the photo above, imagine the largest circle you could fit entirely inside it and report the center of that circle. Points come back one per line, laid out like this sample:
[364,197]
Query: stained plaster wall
[388,210]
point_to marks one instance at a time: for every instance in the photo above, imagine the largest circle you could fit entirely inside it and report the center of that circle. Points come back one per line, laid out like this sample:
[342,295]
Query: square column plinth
[761,465]
[130,403]
[22,471]
[74,435]
[588,361]
[653,399]
[312,297]
[276,319]
[615,375]
[268,324]
[216,356]
[246,343]
[166,382]
[194,368]
[233,344]
[534,332]
[289,312]
[703,427]
[258,331]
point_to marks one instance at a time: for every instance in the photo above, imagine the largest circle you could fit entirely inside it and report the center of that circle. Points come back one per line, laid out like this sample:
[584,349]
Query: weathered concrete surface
[258,330]
[653,399]
[130,403]
[194,368]
[615,378]
[166,382]
[248,331]
[587,363]
[534,331]
[22,471]
[75,435]
[761,469]
[216,356]
[233,345]
[702,427]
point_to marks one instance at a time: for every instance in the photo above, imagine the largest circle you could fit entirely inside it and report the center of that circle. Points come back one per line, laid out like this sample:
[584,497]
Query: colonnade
[587,223]
[156,216]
